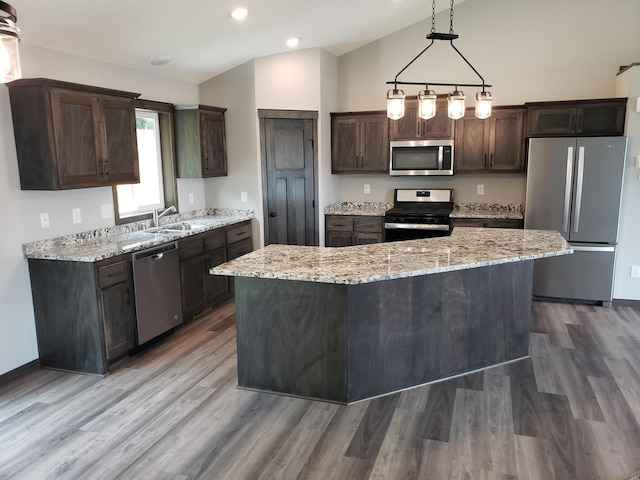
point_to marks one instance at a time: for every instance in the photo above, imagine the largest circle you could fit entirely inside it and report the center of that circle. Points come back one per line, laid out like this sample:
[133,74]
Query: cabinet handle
[100,168]
[491,161]
[106,170]
[206,163]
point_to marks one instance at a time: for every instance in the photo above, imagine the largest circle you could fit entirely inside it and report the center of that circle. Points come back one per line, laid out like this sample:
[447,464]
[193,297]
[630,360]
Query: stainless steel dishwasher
[156,280]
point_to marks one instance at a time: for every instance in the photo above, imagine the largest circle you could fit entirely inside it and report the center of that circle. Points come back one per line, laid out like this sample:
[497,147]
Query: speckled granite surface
[372,209]
[96,245]
[461,210]
[465,248]
[512,211]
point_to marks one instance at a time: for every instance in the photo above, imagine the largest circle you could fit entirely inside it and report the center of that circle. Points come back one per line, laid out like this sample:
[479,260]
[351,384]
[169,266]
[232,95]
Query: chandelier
[427,97]
[9,38]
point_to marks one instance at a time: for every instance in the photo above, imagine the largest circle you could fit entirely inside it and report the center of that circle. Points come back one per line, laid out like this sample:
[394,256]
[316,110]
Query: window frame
[168,153]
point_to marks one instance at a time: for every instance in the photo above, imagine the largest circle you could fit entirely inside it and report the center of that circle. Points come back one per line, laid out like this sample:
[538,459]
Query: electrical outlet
[77,215]
[191,200]
[635,271]
[44,220]
[480,189]
[107,210]
[367,188]
[243,197]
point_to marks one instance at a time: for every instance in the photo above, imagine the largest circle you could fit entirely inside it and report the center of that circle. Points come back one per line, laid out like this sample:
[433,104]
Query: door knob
[273,214]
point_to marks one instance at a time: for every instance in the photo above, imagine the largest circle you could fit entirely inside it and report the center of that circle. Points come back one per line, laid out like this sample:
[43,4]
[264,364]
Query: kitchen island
[347,324]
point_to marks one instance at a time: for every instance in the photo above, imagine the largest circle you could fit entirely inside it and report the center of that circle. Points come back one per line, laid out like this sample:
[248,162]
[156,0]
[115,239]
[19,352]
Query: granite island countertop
[96,245]
[465,248]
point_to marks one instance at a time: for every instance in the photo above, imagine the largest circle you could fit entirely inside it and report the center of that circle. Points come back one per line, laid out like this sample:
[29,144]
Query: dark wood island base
[345,343]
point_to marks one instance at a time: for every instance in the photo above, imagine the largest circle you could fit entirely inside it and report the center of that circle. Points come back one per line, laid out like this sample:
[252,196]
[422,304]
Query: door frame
[264,114]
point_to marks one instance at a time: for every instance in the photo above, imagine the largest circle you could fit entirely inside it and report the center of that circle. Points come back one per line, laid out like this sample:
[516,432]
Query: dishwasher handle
[156,252]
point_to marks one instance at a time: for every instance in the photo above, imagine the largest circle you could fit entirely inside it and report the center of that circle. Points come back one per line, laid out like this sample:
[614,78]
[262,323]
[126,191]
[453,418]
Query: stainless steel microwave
[421,157]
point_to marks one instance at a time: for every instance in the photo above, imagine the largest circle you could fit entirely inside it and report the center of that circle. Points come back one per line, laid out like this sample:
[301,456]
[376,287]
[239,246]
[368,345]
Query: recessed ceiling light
[293,42]
[239,13]
[160,60]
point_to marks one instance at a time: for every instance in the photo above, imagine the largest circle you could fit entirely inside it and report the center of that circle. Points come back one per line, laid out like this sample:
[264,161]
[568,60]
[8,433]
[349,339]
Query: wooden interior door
[289,180]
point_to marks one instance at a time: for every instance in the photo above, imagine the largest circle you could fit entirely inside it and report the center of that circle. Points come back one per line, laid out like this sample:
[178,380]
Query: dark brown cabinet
[199,253]
[495,144]
[73,136]
[359,142]
[580,117]
[84,312]
[348,230]
[412,127]
[201,149]
[488,222]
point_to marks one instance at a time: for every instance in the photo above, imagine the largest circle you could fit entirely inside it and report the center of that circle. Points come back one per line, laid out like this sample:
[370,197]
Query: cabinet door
[192,277]
[551,120]
[119,143]
[406,128]
[76,139]
[606,118]
[506,144]
[374,143]
[217,286]
[117,319]
[212,138]
[471,144]
[338,238]
[345,149]
[365,238]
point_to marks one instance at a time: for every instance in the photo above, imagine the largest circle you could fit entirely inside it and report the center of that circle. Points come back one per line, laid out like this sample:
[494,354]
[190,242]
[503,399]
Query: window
[157,187]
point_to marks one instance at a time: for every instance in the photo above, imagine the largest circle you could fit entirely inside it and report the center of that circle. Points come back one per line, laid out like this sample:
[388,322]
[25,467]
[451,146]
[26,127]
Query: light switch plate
[191,199]
[243,197]
[77,215]
[480,189]
[44,220]
[107,210]
[635,271]
[367,188]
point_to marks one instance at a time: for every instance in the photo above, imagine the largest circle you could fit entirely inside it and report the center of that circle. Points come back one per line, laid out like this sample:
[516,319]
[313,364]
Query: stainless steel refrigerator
[574,186]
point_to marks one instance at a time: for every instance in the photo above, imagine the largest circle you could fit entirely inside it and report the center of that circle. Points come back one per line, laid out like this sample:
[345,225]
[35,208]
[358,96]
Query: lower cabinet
[488,222]
[83,311]
[348,230]
[198,254]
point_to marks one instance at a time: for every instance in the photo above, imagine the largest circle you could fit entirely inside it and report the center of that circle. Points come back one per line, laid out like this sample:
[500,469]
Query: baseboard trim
[626,303]
[19,372]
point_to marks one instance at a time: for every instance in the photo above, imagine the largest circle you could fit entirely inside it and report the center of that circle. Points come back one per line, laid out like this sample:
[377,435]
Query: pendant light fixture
[427,97]
[9,38]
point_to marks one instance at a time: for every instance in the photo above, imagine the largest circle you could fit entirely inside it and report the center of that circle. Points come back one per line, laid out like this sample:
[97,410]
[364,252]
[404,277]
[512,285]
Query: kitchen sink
[176,228]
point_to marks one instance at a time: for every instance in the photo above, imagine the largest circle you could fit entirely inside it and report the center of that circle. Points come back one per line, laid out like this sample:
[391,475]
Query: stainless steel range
[418,214]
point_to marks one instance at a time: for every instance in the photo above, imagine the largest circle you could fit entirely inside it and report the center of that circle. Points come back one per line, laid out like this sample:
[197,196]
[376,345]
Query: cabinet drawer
[368,224]
[488,223]
[113,274]
[339,223]
[213,241]
[235,234]
[191,247]
[240,248]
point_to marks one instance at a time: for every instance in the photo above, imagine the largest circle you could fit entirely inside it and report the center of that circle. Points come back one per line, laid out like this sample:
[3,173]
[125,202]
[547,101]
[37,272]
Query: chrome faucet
[157,215]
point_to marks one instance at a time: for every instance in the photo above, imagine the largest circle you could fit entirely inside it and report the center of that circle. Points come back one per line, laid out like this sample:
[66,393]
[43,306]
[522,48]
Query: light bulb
[483,104]
[456,107]
[395,104]
[427,104]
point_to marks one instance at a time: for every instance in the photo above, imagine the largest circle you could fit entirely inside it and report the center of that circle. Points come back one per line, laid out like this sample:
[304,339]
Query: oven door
[395,232]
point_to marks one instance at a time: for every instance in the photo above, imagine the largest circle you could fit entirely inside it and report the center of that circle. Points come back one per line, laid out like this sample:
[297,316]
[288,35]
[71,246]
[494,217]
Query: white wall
[529,51]
[235,90]
[22,208]
[628,254]
[297,80]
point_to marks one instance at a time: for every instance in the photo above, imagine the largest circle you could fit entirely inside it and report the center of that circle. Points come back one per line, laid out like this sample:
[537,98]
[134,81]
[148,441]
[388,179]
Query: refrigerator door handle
[593,248]
[567,190]
[580,181]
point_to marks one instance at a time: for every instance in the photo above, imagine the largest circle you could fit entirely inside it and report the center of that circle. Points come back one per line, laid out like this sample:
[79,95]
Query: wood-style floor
[571,411]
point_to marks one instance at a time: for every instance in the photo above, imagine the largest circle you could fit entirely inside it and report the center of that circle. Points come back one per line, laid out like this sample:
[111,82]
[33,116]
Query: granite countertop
[502,211]
[466,248]
[372,209]
[511,211]
[96,245]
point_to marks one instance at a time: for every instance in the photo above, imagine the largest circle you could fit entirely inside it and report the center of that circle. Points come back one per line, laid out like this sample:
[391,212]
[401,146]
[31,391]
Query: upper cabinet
[201,148]
[73,136]
[412,127]
[495,144]
[359,142]
[581,117]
